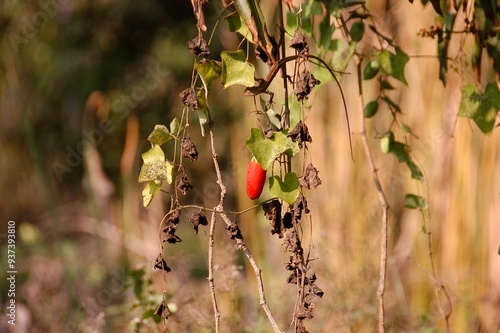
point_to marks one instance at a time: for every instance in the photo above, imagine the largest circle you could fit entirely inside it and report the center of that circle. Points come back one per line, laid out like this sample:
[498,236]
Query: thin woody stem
[211,272]
[383,203]
[240,244]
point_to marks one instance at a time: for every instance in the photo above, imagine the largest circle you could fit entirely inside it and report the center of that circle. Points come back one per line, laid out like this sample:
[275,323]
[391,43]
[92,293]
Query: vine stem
[240,244]
[211,282]
[383,202]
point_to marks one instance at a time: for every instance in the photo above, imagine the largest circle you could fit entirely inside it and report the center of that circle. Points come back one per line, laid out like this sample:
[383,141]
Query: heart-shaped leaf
[267,150]
[236,70]
[287,190]
[160,135]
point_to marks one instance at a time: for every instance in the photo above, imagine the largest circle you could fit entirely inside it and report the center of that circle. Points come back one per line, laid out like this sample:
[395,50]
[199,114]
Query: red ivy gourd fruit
[256,177]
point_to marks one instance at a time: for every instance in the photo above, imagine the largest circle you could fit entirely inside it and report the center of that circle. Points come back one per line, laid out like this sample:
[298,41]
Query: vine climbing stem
[240,244]
[382,199]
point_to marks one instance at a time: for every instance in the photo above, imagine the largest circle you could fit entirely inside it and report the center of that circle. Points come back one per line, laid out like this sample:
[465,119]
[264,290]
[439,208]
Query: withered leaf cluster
[198,46]
[305,82]
[162,310]
[189,149]
[197,219]
[300,133]
[234,231]
[188,98]
[299,43]
[183,185]
[310,179]
[160,263]
[172,223]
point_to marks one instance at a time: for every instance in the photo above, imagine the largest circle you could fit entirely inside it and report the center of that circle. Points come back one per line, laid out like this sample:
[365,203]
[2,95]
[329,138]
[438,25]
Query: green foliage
[236,70]
[287,190]
[155,170]
[393,64]
[160,135]
[357,31]
[209,71]
[371,69]
[266,150]
[402,152]
[482,108]
[371,109]
[415,201]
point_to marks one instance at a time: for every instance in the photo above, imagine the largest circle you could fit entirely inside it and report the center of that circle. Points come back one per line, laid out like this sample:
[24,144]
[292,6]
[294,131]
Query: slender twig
[383,202]
[240,244]
[211,272]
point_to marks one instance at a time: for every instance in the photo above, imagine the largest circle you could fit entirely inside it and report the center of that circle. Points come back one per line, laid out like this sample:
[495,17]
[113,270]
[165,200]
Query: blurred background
[82,84]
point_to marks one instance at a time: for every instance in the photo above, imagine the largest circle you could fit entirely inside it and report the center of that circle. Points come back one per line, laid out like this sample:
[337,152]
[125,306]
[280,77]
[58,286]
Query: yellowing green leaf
[160,135]
[415,201]
[235,24]
[287,190]
[236,70]
[209,70]
[482,108]
[155,167]
[394,64]
[150,191]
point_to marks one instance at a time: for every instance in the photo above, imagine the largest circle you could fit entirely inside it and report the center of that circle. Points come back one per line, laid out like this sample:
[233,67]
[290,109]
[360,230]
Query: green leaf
[267,150]
[273,118]
[235,24]
[155,167]
[415,201]
[150,191]
[202,110]
[236,70]
[160,135]
[326,30]
[287,190]
[371,69]
[209,70]
[401,151]
[175,126]
[386,85]
[342,53]
[357,31]
[391,104]
[371,109]
[482,108]
[394,64]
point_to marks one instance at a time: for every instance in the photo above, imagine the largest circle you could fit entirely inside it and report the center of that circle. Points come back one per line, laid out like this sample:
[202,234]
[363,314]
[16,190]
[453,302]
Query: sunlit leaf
[175,126]
[236,70]
[267,150]
[160,135]
[482,108]
[342,53]
[235,24]
[209,70]
[150,191]
[394,64]
[155,167]
[415,201]
[287,190]
[202,110]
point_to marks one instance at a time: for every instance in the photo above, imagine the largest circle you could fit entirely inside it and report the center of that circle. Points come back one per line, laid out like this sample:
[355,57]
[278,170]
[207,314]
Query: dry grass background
[78,252]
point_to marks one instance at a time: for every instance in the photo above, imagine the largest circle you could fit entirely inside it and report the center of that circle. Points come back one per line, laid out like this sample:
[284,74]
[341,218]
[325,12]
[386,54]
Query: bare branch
[240,244]
[382,199]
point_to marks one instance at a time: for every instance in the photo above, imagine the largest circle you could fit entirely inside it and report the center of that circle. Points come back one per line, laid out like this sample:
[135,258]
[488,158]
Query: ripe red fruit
[256,177]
